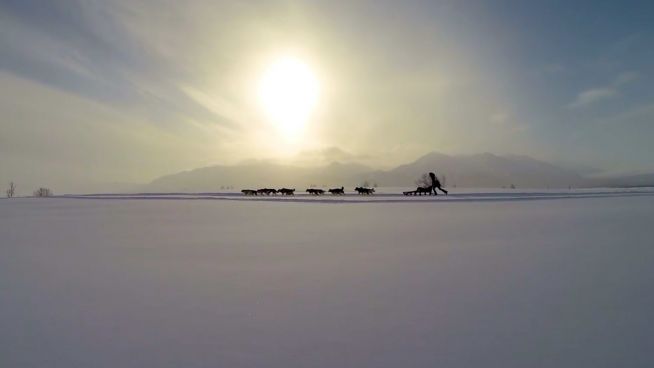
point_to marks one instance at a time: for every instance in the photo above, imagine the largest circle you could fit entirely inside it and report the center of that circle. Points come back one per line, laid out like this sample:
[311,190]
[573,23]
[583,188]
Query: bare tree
[43,192]
[423,181]
[12,190]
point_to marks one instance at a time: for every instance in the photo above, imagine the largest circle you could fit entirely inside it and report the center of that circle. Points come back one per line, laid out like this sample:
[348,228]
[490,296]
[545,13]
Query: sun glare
[288,92]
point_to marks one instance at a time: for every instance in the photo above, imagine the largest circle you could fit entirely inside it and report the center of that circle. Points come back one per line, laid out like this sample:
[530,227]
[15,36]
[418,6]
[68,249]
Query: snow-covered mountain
[625,181]
[480,170]
[257,175]
[483,170]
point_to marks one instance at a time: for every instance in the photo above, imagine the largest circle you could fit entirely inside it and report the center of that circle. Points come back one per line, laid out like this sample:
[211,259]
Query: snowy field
[391,195]
[493,279]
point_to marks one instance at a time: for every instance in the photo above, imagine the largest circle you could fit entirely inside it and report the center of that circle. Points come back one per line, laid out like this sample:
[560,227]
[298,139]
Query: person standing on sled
[435,184]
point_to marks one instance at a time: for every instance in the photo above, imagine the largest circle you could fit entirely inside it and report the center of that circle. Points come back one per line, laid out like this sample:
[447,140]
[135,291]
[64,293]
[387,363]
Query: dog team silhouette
[421,190]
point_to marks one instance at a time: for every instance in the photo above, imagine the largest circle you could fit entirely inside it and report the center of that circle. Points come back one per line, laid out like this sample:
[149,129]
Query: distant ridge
[627,181]
[259,175]
[484,170]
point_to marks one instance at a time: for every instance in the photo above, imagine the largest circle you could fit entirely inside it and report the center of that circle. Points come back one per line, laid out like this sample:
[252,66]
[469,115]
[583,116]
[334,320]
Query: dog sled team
[423,190]
[312,191]
[268,191]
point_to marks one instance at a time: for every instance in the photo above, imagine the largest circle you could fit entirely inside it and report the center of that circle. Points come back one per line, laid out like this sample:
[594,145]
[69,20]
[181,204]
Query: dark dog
[266,191]
[249,192]
[366,191]
[285,191]
[337,191]
[315,191]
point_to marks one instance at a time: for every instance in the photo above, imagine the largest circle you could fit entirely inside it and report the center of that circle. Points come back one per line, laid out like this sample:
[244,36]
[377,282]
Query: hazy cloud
[626,77]
[499,117]
[327,155]
[126,90]
[594,95]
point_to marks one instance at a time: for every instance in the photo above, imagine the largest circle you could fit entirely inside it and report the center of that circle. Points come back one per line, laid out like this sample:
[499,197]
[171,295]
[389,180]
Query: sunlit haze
[326,183]
[288,92]
[120,91]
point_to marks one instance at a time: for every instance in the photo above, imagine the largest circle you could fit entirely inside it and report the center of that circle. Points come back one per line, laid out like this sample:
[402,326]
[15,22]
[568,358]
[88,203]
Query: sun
[288,93]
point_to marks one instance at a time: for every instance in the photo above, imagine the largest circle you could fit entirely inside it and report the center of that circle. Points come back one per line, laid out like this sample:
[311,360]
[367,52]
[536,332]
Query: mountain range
[484,170]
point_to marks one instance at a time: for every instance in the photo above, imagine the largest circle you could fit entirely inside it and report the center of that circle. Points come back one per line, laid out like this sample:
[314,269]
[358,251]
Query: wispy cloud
[626,77]
[507,122]
[638,115]
[594,95]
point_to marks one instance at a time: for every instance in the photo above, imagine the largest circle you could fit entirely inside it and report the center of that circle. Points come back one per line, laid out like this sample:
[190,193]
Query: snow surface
[216,280]
[390,195]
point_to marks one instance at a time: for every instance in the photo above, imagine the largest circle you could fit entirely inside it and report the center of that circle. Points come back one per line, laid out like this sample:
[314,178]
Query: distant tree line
[40,192]
[43,192]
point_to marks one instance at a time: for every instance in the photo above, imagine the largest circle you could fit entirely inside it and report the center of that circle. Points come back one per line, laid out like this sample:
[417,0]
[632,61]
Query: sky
[121,91]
